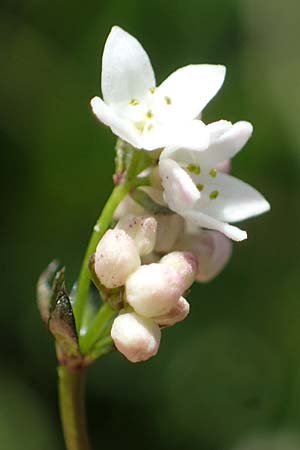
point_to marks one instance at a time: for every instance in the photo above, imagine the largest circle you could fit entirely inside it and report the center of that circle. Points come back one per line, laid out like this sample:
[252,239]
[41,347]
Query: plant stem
[102,319]
[101,226]
[72,408]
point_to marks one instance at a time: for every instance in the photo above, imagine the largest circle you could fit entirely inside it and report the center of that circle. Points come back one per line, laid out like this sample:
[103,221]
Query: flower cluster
[153,255]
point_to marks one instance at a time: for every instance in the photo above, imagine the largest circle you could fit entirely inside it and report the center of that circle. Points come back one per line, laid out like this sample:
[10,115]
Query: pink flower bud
[178,313]
[128,206]
[135,337]
[116,258]
[169,228]
[212,250]
[224,166]
[185,263]
[142,230]
[152,290]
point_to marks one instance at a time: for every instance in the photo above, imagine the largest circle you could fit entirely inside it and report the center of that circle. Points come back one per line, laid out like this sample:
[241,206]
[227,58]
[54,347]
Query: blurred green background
[229,376]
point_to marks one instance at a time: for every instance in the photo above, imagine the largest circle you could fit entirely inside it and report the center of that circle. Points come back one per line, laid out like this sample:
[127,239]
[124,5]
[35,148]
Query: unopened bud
[136,337]
[178,313]
[142,230]
[116,258]
[212,250]
[152,290]
[224,166]
[169,228]
[185,263]
[128,206]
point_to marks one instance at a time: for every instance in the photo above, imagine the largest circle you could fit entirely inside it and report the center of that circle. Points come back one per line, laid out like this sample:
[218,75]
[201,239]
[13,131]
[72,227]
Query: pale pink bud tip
[178,313]
[212,250]
[116,258]
[186,265]
[142,230]
[135,337]
[152,290]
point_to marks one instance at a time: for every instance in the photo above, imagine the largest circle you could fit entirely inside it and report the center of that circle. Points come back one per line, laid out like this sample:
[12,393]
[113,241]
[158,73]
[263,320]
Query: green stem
[101,226]
[72,408]
[97,327]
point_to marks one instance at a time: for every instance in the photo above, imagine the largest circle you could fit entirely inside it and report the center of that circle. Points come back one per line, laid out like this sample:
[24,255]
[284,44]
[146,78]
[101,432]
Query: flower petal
[191,135]
[119,126]
[226,141]
[127,73]
[203,220]
[192,87]
[229,199]
[180,191]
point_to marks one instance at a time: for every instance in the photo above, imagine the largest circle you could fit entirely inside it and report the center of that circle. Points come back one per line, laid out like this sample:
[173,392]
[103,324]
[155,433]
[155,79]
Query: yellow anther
[194,168]
[152,90]
[150,127]
[134,102]
[168,100]
[200,187]
[213,173]
[213,195]
[149,114]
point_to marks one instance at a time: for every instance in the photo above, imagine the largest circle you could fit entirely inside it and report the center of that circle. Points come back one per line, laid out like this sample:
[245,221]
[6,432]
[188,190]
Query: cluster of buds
[151,262]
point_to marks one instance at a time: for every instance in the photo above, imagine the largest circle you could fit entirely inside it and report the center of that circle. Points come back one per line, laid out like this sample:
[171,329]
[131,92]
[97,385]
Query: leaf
[62,325]
[44,290]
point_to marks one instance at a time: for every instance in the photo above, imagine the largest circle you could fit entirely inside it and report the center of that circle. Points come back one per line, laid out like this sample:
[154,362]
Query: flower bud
[169,228]
[212,250]
[152,290]
[224,166]
[116,258]
[142,230]
[135,337]
[128,206]
[178,313]
[185,263]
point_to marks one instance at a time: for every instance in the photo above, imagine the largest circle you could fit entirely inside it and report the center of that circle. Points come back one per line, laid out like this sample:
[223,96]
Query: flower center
[149,111]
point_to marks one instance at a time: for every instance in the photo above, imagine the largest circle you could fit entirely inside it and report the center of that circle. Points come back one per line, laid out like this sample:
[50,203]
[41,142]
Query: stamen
[152,90]
[213,173]
[200,187]
[213,195]
[193,168]
[149,114]
[168,100]
[150,127]
[134,102]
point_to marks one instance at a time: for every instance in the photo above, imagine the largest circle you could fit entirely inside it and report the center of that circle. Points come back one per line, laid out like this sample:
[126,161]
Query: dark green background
[232,369]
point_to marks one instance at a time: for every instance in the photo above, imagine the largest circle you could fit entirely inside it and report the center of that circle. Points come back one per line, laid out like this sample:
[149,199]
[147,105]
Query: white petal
[235,201]
[180,191]
[119,126]
[127,73]
[192,87]
[226,142]
[191,135]
[205,221]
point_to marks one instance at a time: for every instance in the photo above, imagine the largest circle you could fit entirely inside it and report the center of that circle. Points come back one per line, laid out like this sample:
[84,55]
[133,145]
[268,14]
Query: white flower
[198,191]
[147,116]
